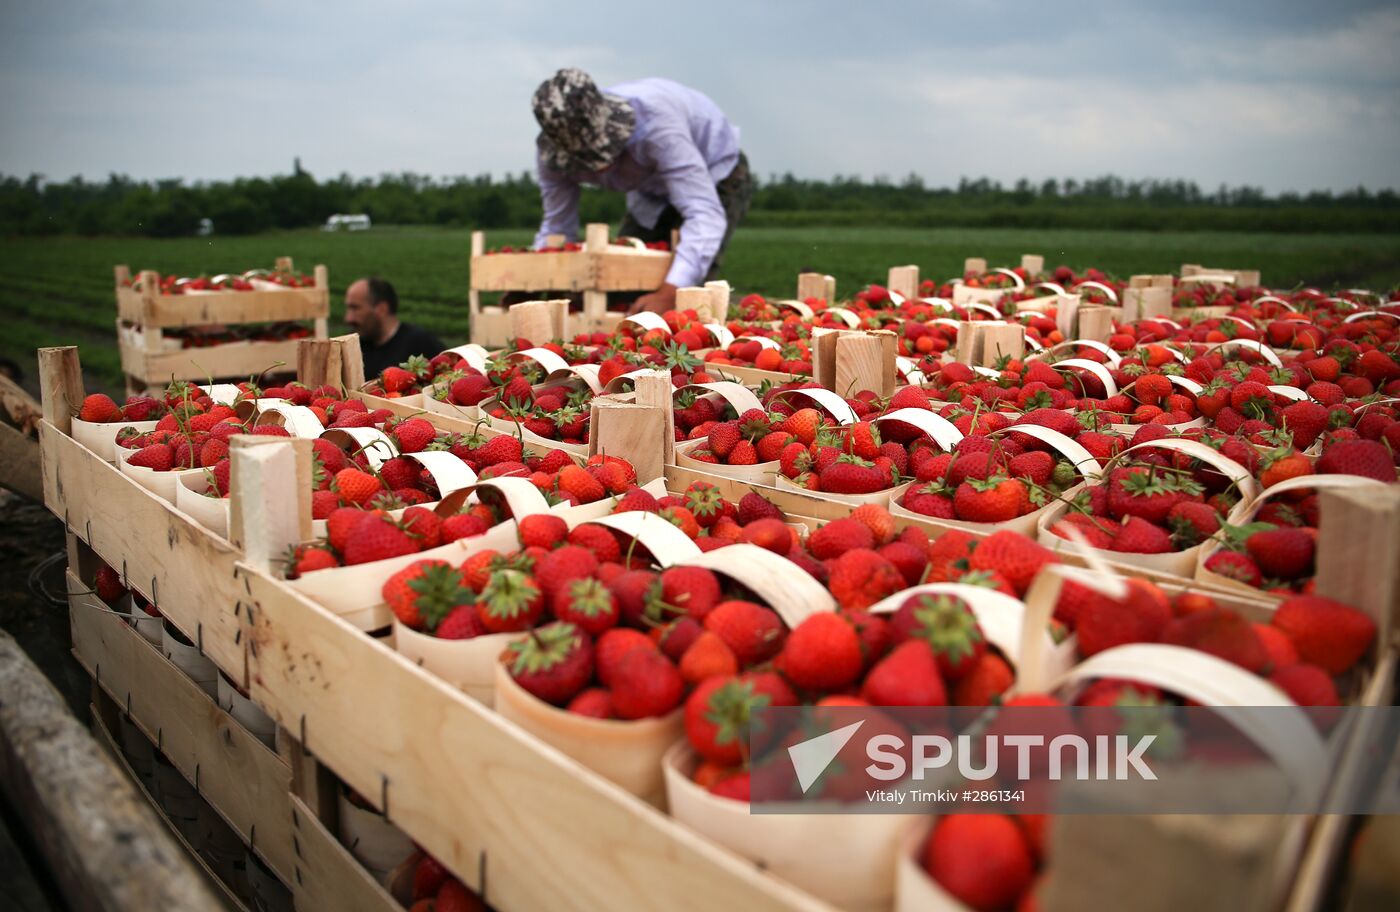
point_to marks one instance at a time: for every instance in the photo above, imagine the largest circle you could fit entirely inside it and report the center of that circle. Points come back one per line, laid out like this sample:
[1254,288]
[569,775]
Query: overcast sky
[1275,93]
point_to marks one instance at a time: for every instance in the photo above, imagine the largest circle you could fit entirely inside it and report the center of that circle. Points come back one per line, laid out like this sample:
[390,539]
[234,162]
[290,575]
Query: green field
[59,290]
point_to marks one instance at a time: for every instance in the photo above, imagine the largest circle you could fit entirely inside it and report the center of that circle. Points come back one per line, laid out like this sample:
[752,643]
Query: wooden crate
[600,267]
[143,313]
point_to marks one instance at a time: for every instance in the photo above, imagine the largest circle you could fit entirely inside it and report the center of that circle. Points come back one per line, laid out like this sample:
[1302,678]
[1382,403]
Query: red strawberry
[1013,555]
[616,643]
[355,487]
[158,457]
[1306,685]
[860,577]
[1223,634]
[946,623]
[377,537]
[542,530]
[1326,633]
[644,684]
[984,682]
[1139,536]
[693,590]
[1285,554]
[1139,618]
[908,676]
[754,506]
[717,712]
[587,604]
[1192,523]
[995,500]
[723,438]
[753,632]
[511,601]
[553,663]
[422,594]
[707,656]
[852,475]
[1366,458]
[594,702]
[839,536]
[822,653]
[414,435]
[99,408]
[1235,566]
[598,540]
[1277,645]
[983,860]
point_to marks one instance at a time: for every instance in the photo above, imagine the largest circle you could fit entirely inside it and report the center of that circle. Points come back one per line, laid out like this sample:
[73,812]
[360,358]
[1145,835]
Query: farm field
[60,289]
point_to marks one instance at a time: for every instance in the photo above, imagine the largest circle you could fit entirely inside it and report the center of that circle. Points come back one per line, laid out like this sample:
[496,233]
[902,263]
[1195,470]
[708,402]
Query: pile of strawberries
[553,413]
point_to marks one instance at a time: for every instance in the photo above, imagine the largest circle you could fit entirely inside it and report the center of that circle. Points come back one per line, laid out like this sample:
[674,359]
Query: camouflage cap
[581,127]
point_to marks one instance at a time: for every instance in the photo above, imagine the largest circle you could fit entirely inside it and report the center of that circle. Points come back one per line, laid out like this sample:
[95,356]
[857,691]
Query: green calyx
[437,590]
[946,624]
[545,648]
[730,708]
[509,593]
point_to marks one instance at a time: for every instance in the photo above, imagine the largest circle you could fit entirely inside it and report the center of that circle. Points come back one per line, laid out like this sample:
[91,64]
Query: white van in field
[346,223]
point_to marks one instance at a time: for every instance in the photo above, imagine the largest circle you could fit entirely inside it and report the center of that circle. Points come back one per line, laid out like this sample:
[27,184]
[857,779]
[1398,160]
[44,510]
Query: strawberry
[1282,553]
[995,500]
[553,663]
[397,380]
[377,537]
[1192,523]
[947,624]
[542,530]
[158,457]
[839,536]
[693,590]
[425,592]
[1148,493]
[1235,566]
[1016,557]
[576,481]
[717,713]
[355,487]
[1306,685]
[822,653]
[1365,458]
[675,637]
[754,506]
[639,500]
[1222,633]
[1306,421]
[1138,536]
[638,596]
[598,540]
[770,534]
[501,449]
[983,860]
[907,676]
[455,897]
[613,645]
[860,578]
[108,585]
[587,604]
[1277,645]
[99,408]
[723,438]
[511,602]
[984,682]
[1326,633]
[852,475]
[803,424]
[1139,618]
[645,684]
[878,520]
[414,435]
[461,623]
[909,560]
[593,702]
[707,656]
[743,453]
[753,632]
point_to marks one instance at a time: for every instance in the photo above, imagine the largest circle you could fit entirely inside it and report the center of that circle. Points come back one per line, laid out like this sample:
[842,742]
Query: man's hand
[659,301]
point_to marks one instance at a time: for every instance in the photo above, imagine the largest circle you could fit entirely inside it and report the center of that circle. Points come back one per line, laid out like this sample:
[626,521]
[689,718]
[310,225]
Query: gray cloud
[1287,95]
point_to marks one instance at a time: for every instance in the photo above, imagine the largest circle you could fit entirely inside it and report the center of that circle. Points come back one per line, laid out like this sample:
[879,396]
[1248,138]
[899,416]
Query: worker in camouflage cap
[667,146]
[582,129]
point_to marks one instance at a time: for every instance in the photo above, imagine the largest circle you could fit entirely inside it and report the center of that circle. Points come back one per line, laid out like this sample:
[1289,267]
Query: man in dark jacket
[371,309]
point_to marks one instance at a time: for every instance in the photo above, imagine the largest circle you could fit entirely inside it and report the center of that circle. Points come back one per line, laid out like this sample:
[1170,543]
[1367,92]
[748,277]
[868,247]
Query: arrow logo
[810,758]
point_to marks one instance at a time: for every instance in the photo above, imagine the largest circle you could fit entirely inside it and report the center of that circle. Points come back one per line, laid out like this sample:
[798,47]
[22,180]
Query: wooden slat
[530,272]
[20,464]
[231,307]
[186,570]
[465,784]
[217,895]
[91,827]
[244,781]
[636,270]
[326,876]
[235,360]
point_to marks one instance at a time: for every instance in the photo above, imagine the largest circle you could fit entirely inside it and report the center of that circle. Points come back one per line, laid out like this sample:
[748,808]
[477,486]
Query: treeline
[172,208]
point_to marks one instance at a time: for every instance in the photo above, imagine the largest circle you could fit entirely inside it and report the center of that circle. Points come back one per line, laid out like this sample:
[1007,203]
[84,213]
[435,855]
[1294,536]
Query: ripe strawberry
[1285,554]
[1326,633]
[397,380]
[1138,536]
[542,530]
[99,408]
[852,475]
[1235,566]
[822,653]
[878,520]
[1306,685]
[511,601]
[1148,493]
[1192,523]
[995,500]
[803,424]
[587,604]
[754,506]
[1223,634]
[108,585]
[553,663]
[377,537]
[692,590]
[639,500]
[723,438]
[461,623]
[1366,458]
[501,449]
[984,682]
[576,481]
[425,592]
[908,676]
[593,702]
[707,656]
[675,637]
[946,623]
[1013,555]
[909,560]
[742,454]
[1139,618]
[983,860]
[860,578]
[414,435]
[839,536]
[753,632]
[769,534]
[455,897]
[1277,645]
[645,684]
[613,645]
[717,716]
[598,540]
[355,487]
